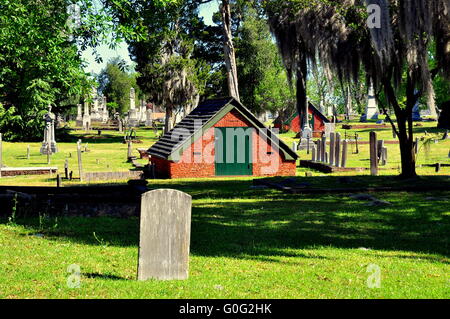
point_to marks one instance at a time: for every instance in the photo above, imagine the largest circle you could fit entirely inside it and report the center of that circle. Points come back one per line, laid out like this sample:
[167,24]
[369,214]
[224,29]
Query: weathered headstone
[130,150]
[332,148]
[373,154]
[319,151]
[344,154]
[323,148]
[416,146]
[326,158]
[66,168]
[80,164]
[294,146]
[313,152]
[337,152]
[380,145]
[28,152]
[165,231]
[383,157]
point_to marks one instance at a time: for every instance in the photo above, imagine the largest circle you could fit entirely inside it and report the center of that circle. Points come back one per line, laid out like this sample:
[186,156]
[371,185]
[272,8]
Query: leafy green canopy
[394,55]
[39,64]
[115,84]
[262,78]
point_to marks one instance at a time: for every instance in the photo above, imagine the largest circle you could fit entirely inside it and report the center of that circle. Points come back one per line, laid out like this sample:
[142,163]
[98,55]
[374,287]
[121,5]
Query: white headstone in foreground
[165,232]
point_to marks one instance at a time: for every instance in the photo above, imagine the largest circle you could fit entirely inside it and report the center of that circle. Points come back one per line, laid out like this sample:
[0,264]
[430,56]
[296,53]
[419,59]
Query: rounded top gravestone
[165,231]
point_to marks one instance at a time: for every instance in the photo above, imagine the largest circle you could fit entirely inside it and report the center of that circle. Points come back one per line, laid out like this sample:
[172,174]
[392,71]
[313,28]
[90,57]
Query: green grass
[108,153]
[245,244]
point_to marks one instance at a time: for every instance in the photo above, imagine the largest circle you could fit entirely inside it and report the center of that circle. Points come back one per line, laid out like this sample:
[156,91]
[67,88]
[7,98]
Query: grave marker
[165,231]
[380,145]
[319,150]
[337,151]
[373,154]
[383,156]
[80,164]
[66,168]
[344,154]
[322,149]
[130,151]
[332,148]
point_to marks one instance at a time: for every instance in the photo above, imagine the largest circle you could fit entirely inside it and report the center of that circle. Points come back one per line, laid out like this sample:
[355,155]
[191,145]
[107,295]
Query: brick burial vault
[221,138]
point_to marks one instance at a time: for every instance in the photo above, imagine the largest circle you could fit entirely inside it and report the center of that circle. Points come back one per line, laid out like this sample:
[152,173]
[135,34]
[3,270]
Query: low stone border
[18,171]
[325,168]
[90,177]
[86,201]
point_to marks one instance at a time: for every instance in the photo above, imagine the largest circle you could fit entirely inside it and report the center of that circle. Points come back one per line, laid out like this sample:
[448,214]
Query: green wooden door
[233,151]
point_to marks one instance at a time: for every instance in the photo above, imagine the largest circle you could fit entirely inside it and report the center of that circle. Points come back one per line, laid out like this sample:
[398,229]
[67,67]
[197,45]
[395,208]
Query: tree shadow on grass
[231,220]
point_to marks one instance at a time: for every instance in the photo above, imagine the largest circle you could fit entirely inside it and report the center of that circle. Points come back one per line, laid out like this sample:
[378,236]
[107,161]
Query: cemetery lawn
[246,243]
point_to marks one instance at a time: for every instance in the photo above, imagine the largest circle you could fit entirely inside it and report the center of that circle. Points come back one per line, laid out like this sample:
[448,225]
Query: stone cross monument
[49,144]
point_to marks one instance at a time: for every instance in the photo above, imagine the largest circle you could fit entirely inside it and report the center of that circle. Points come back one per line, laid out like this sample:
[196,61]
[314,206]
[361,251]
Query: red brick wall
[161,167]
[319,125]
[198,159]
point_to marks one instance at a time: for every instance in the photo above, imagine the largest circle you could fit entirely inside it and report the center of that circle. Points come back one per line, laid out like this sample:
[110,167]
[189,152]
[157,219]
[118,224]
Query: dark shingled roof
[196,120]
[315,111]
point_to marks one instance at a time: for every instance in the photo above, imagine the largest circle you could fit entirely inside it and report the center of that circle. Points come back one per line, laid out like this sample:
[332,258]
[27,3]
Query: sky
[206,11]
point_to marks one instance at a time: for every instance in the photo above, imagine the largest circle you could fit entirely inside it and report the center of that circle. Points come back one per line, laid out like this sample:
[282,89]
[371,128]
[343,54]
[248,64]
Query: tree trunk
[302,98]
[405,128]
[168,123]
[229,51]
[348,103]
[407,154]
